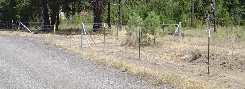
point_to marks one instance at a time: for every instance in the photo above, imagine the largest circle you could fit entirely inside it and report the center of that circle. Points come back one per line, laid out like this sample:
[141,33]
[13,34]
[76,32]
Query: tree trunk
[46,21]
[97,9]
[57,20]
[109,13]
[120,14]
[53,16]
[192,13]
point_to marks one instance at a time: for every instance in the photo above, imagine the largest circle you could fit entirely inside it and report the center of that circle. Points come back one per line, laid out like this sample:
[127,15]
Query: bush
[151,27]
[132,29]
[87,18]
[151,24]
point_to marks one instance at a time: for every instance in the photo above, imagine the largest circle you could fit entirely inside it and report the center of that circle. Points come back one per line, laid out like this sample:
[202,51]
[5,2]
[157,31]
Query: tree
[44,4]
[109,13]
[192,13]
[8,10]
[242,2]
[169,11]
[97,9]
[235,10]
[33,7]
[151,23]
[120,14]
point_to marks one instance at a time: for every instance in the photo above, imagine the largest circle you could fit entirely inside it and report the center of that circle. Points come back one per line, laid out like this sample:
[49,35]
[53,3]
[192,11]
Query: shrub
[134,22]
[151,24]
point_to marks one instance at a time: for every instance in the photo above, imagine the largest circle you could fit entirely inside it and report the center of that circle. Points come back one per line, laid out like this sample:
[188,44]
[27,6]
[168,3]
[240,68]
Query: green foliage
[8,10]
[151,23]
[128,11]
[232,32]
[134,21]
[169,11]
[88,17]
[199,24]
[132,29]
[33,11]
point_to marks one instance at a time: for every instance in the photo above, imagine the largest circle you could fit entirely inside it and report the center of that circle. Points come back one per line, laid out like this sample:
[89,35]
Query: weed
[117,65]
[49,43]
[173,80]
[120,66]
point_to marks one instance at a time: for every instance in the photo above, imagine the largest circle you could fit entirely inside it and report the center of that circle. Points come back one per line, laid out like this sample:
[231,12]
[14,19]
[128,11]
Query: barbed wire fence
[21,26]
[100,37]
[7,25]
[226,48]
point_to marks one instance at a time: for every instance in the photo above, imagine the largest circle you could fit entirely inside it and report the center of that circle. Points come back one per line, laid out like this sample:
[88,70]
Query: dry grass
[143,71]
[190,51]
[49,43]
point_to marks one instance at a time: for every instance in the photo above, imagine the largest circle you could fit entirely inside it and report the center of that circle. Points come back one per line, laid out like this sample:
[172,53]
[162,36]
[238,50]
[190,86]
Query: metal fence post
[139,40]
[82,35]
[18,27]
[12,25]
[104,32]
[163,26]
[209,35]
[179,30]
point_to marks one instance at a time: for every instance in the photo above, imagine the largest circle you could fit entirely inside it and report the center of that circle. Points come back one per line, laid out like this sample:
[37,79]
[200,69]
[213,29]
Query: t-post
[104,32]
[209,35]
[12,25]
[179,30]
[139,40]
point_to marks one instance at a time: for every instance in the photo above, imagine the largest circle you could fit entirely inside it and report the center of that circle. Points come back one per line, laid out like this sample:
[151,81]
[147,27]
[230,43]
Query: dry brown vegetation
[181,63]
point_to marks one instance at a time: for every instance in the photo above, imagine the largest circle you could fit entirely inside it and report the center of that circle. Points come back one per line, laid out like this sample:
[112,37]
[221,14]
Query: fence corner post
[12,25]
[163,26]
[179,29]
[82,34]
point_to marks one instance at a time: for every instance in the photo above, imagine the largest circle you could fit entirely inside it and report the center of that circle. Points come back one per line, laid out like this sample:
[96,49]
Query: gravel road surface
[26,63]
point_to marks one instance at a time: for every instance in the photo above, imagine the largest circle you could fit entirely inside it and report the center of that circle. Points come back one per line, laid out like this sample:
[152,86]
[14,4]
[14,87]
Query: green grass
[237,33]
[49,43]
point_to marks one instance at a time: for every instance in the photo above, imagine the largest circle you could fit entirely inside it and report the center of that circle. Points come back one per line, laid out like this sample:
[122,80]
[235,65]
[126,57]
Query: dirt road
[26,63]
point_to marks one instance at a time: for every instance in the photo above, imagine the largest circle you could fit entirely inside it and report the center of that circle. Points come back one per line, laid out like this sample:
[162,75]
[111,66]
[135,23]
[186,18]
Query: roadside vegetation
[143,20]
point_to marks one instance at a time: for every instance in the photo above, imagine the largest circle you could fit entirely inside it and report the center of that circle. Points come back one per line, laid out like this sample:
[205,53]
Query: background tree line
[169,11]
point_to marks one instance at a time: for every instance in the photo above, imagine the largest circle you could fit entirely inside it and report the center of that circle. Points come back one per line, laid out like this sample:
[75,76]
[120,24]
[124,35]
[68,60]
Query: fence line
[177,30]
[24,26]
[225,48]
[191,49]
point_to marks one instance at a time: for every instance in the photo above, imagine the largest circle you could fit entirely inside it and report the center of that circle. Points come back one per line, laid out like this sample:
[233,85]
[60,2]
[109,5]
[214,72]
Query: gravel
[26,63]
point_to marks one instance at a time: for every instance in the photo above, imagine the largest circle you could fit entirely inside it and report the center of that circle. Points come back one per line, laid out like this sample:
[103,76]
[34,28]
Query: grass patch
[183,82]
[120,66]
[159,76]
[49,43]
[236,32]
